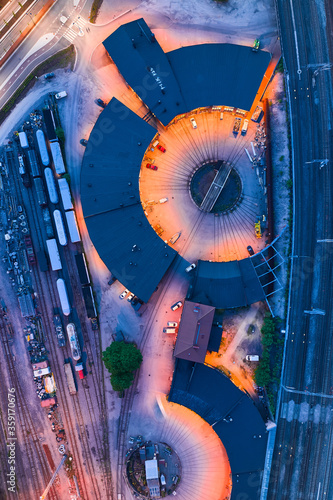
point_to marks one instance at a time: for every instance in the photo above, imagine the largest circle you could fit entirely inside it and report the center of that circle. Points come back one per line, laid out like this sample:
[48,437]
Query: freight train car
[69,377]
[47,222]
[57,158]
[82,269]
[60,227]
[72,227]
[65,194]
[49,124]
[41,196]
[35,170]
[73,341]
[23,140]
[53,251]
[89,302]
[44,155]
[63,296]
[51,187]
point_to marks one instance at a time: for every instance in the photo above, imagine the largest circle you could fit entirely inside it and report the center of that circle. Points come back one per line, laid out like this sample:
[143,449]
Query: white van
[169,330]
[245,125]
[189,268]
[155,143]
[60,95]
[252,357]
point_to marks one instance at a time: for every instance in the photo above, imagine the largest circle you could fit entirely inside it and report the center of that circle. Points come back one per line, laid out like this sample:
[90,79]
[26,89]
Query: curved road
[302,460]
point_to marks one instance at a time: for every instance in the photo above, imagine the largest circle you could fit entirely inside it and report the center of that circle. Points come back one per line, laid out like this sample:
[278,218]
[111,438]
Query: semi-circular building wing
[111,205]
[187,78]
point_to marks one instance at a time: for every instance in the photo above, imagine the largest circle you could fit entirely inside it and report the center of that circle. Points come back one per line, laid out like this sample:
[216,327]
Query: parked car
[152,167]
[250,250]
[161,148]
[84,142]
[189,268]
[101,103]
[193,123]
[48,76]
[123,294]
[60,95]
[112,280]
[252,357]
[172,324]
[130,297]
[176,306]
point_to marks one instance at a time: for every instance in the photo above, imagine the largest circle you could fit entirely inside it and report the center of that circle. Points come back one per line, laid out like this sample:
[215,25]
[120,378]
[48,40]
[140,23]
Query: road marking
[70,35]
[319,486]
[306,393]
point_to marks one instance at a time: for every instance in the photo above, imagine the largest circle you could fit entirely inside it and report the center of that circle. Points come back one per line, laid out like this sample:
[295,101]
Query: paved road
[302,461]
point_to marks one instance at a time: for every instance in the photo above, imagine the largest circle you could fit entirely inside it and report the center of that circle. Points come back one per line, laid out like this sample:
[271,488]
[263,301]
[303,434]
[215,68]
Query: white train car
[59,223]
[57,158]
[53,251]
[65,194]
[51,187]
[23,140]
[63,296]
[44,155]
[72,227]
[73,341]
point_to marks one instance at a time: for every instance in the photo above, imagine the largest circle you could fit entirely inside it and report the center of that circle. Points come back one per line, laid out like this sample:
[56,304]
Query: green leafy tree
[121,360]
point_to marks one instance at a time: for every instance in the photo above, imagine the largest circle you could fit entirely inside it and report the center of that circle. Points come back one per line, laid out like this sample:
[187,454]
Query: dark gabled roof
[194,332]
[232,415]
[218,74]
[111,205]
[226,285]
[145,67]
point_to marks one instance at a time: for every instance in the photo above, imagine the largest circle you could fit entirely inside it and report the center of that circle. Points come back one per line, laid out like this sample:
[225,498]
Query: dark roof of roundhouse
[211,394]
[187,78]
[145,67]
[218,74]
[226,285]
[111,205]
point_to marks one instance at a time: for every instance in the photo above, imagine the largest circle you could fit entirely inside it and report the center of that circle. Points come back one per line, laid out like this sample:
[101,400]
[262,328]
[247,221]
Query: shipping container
[41,196]
[63,296]
[60,227]
[53,251]
[42,371]
[89,302]
[57,158]
[48,402]
[65,194]
[70,378]
[35,170]
[44,155]
[40,365]
[48,223]
[23,140]
[72,227]
[42,261]
[82,269]
[73,341]
[51,187]
[49,124]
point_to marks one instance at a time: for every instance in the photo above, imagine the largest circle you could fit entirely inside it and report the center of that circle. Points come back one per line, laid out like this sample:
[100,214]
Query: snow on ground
[281,175]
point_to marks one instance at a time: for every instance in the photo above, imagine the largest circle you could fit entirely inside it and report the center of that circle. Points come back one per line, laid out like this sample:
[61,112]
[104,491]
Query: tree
[121,360]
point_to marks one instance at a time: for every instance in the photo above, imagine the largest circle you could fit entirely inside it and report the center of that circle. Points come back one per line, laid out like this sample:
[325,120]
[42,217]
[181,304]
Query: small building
[152,477]
[194,332]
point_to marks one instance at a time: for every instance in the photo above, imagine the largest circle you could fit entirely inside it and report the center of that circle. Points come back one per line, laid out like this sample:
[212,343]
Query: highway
[302,460]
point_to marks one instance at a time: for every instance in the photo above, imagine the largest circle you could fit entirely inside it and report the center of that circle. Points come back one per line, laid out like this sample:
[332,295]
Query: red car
[153,167]
[161,148]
